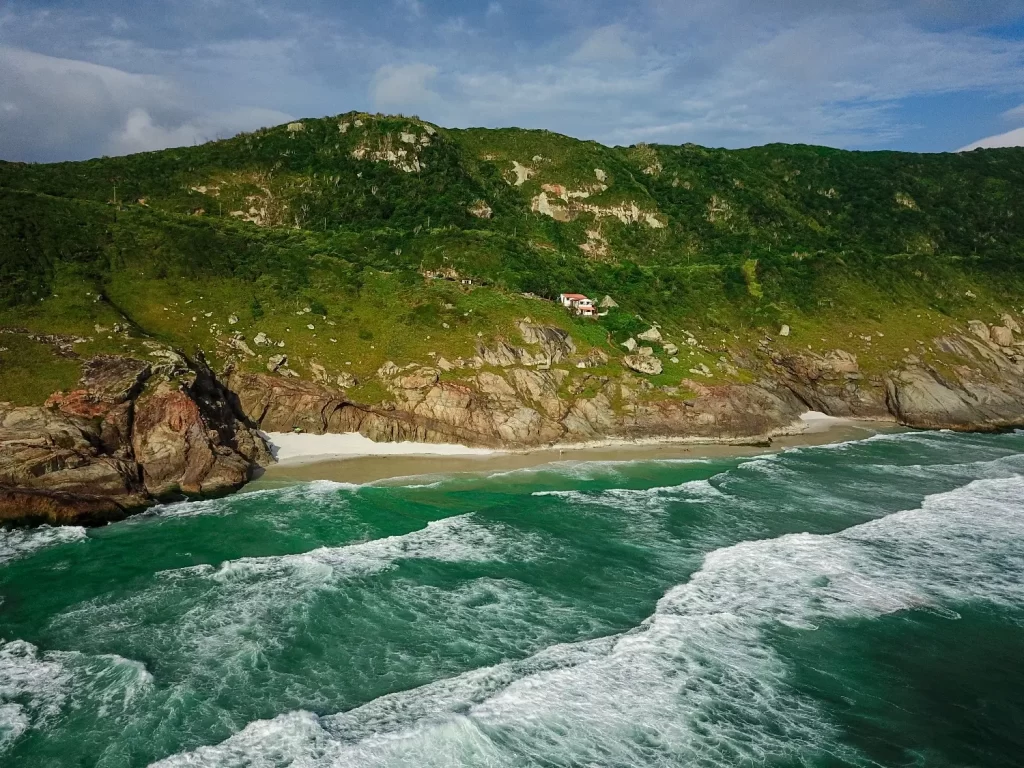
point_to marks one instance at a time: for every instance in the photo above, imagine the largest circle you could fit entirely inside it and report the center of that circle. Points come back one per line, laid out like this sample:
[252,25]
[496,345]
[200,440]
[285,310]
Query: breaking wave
[697,682]
[21,542]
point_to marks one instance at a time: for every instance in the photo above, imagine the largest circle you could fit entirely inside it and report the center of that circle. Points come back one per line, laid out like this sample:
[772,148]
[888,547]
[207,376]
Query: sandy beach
[355,459]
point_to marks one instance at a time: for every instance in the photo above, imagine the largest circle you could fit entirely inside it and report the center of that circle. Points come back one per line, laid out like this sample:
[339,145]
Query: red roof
[574,295]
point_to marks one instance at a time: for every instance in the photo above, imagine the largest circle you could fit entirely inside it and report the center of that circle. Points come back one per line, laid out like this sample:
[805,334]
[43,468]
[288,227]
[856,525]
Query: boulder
[238,344]
[276,362]
[1002,336]
[503,355]
[979,329]
[650,366]
[784,330]
[670,348]
[594,359]
[630,344]
[651,334]
[347,381]
[1009,322]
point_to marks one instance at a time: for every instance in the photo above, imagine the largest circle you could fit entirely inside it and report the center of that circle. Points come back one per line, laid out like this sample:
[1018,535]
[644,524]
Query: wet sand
[366,469]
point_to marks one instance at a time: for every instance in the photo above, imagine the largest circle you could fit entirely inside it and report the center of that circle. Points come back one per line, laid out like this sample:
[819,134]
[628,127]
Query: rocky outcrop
[130,434]
[983,390]
[556,343]
[968,400]
[834,384]
[134,431]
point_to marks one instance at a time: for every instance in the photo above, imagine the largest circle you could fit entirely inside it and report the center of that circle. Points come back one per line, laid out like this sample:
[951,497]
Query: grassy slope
[839,245]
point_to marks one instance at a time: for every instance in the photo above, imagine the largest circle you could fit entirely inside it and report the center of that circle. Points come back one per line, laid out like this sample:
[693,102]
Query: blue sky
[81,79]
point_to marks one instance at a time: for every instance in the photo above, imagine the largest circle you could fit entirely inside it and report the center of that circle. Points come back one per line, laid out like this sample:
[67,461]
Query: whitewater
[857,604]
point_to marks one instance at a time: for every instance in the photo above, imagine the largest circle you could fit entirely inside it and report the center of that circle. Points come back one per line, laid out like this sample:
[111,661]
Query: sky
[110,77]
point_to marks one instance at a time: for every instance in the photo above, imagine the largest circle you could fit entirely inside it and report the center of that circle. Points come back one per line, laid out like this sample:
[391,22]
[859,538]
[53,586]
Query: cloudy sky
[87,78]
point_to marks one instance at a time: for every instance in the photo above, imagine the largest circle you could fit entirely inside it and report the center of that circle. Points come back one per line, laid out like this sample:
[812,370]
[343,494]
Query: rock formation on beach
[130,434]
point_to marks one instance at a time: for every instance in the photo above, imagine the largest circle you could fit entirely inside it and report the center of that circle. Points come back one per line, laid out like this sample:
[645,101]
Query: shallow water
[859,604]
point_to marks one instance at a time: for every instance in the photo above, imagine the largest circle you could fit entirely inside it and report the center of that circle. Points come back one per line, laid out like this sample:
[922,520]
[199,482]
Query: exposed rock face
[128,436]
[979,329]
[985,392]
[49,459]
[135,431]
[922,398]
[833,384]
[556,343]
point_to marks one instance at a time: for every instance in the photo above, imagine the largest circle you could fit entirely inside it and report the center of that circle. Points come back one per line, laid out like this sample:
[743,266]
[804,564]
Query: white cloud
[56,108]
[494,9]
[1014,138]
[1017,113]
[141,133]
[605,44]
[404,85]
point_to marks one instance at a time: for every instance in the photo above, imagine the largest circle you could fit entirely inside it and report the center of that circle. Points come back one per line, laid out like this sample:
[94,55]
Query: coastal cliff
[134,432]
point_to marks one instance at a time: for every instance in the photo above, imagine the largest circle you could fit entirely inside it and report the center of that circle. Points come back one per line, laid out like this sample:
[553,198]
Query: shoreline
[419,459]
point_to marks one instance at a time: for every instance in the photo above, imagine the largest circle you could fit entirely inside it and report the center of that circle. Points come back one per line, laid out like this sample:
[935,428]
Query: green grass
[30,371]
[812,237]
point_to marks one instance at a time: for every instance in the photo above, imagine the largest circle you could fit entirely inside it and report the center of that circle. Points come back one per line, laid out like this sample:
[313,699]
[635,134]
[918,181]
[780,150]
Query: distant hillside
[343,215]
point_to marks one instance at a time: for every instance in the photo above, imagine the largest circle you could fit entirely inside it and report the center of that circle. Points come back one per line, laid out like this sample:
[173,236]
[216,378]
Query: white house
[578,303]
[567,299]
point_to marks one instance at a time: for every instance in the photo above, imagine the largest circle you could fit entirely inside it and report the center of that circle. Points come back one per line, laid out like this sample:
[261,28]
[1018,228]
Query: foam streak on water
[694,684]
[21,542]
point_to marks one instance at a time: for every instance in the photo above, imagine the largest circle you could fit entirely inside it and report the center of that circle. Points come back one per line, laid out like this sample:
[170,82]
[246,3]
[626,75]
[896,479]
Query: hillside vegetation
[318,234]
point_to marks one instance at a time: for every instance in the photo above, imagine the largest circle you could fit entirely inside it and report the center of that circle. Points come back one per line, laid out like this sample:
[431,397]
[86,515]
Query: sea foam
[697,682]
[21,542]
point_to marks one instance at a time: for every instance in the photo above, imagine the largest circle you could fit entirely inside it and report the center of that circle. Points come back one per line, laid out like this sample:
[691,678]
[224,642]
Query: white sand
[816,421]
[289,446]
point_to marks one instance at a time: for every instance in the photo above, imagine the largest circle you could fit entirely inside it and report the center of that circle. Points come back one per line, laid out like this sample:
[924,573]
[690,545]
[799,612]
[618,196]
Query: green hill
[332,223]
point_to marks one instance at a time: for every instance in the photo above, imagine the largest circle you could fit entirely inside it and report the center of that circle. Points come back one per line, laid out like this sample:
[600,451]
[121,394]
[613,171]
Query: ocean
[859,604]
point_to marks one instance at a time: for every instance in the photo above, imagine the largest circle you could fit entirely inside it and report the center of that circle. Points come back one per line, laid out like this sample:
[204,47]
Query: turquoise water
[859,604]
